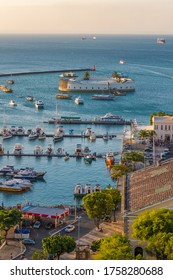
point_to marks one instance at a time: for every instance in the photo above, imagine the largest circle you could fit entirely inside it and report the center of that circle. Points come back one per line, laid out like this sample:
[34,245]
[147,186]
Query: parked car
[49,225]
[69,228]
[28,241]
[37,224]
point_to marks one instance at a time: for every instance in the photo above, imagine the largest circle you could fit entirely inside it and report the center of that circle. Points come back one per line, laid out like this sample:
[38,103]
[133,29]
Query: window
[165,127]
[161,127]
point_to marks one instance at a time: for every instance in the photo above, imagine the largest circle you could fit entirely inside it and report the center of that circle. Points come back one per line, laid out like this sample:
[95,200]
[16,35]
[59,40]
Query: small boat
[1,149]
[103,97]
[13,129]
[49,150]
[86,150]
[38,150]
[110,159]
[42,135]
[33,135]
[92,137]
[79,100]
[12,188]
[66,157]
[12,103]
[7,169]
[122,61]
[105,137]
[88,131]
[6,89]
[29,98]
[18,149]
[10,82]
[39,104]
[78,150]
[20,130]
[68,75]
[63,96]
[7,135]
[60,151]
[59,134]
[88,158]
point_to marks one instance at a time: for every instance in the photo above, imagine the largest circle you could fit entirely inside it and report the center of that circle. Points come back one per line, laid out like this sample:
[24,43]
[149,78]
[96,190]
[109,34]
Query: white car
[69,228]
[37,224]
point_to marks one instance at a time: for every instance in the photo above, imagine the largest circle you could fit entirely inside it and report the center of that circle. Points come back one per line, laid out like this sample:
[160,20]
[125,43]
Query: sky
[86,17]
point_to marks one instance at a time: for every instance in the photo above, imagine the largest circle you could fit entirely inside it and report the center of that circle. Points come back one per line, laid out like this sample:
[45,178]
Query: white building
[163,127]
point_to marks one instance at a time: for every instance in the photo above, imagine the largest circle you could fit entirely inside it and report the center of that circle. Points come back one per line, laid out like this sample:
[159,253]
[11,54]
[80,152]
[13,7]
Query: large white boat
[59,134]
[111,117]
[161,41]
[120,83]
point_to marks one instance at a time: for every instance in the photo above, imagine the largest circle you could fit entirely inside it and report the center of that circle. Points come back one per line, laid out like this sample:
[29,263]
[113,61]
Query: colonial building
[163,127]
[144,190]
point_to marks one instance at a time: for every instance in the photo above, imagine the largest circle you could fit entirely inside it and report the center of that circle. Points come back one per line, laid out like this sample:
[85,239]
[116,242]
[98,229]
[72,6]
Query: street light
[78,218]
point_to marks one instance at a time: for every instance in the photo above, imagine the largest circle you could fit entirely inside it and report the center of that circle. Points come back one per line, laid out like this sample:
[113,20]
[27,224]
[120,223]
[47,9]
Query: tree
[116,247]
[156,227]
[8,219]
[116,76]
[39,255]
[98,205]
[119,170]
[58,245]
[86,76]
[133,157]
[116,198]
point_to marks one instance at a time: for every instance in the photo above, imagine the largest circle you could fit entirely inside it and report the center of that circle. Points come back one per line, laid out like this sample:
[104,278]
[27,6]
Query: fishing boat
[110,159]
[12,103]
[63,96]
[18,149]
[103,97]
[79,100]
[39,104]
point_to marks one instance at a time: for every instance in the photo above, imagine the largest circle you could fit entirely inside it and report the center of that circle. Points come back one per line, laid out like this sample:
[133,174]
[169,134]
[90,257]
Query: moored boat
[111,117]
[18,149]
[39,104]
[38,150]
[29,98]
[63,96]
[49,150]
[110,159]
[88,158]
[12,103]
[79,100]
[103,97]
[68,75]
[92,137]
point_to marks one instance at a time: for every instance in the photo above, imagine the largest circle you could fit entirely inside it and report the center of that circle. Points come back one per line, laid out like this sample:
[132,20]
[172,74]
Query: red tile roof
[149,186]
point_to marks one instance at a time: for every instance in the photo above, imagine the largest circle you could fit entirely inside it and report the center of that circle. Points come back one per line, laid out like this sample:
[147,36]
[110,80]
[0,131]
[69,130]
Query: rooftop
[149,186]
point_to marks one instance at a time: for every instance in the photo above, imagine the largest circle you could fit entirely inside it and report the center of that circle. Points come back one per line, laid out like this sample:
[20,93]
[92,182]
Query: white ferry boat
[111,117]
[161,41]
[122,84]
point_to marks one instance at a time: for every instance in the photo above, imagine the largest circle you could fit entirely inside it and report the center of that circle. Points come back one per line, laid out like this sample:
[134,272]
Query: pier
[95,121]
[8,154]
[46,72]
[82,135]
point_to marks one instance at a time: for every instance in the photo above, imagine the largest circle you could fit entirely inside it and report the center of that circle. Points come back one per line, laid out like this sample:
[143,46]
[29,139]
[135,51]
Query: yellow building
[163,127]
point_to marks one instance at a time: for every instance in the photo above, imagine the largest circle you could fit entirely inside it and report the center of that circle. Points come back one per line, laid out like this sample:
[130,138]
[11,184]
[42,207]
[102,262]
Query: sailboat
[54,120]
[42,134]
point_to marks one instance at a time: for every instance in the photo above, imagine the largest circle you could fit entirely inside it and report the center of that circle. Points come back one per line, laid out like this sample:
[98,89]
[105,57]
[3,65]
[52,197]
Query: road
[82,227]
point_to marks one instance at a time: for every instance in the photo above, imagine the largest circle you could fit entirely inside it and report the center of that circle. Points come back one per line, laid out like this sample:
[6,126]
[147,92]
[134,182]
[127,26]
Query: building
[163,128]
[147,189]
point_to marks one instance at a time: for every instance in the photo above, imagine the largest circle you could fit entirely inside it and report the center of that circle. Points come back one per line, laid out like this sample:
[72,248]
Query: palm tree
[86,76]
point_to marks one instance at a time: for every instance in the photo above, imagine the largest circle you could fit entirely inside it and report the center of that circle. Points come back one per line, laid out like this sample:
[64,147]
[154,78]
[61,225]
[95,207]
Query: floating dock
[95,121]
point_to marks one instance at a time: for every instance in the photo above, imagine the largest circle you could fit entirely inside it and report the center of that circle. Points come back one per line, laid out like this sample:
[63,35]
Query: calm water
[148,63]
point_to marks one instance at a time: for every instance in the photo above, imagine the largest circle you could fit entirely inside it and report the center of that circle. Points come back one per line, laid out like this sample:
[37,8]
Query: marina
[65,168]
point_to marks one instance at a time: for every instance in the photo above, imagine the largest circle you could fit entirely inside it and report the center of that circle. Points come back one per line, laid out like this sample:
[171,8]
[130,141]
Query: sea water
[148,63]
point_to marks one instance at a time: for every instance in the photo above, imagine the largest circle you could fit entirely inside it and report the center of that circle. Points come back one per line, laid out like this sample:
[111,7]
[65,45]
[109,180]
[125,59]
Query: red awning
[36,214]
[44,215]
[55,217]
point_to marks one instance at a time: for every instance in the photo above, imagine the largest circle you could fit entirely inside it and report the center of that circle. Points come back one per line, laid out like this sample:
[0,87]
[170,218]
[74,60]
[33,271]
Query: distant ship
[161,41]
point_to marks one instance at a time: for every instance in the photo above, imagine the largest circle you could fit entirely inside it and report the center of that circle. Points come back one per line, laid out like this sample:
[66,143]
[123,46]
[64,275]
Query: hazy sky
[87,16]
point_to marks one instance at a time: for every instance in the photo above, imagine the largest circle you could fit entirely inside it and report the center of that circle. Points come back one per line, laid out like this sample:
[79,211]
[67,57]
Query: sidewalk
[10,250]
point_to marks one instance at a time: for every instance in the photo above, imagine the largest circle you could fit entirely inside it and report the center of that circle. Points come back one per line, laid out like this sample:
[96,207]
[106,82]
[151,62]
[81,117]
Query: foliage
[133,157]
[116,247]
[116,198]
[95,245]
[9,218]
[158,114]
[116,76]
[144,133]
[161,246]
[98,205]
[58,245]
[86,76]
[119,170]
[39,255]
[156,227]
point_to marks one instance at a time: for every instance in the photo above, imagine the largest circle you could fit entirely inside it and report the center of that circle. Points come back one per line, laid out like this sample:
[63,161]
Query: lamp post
[78,218]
